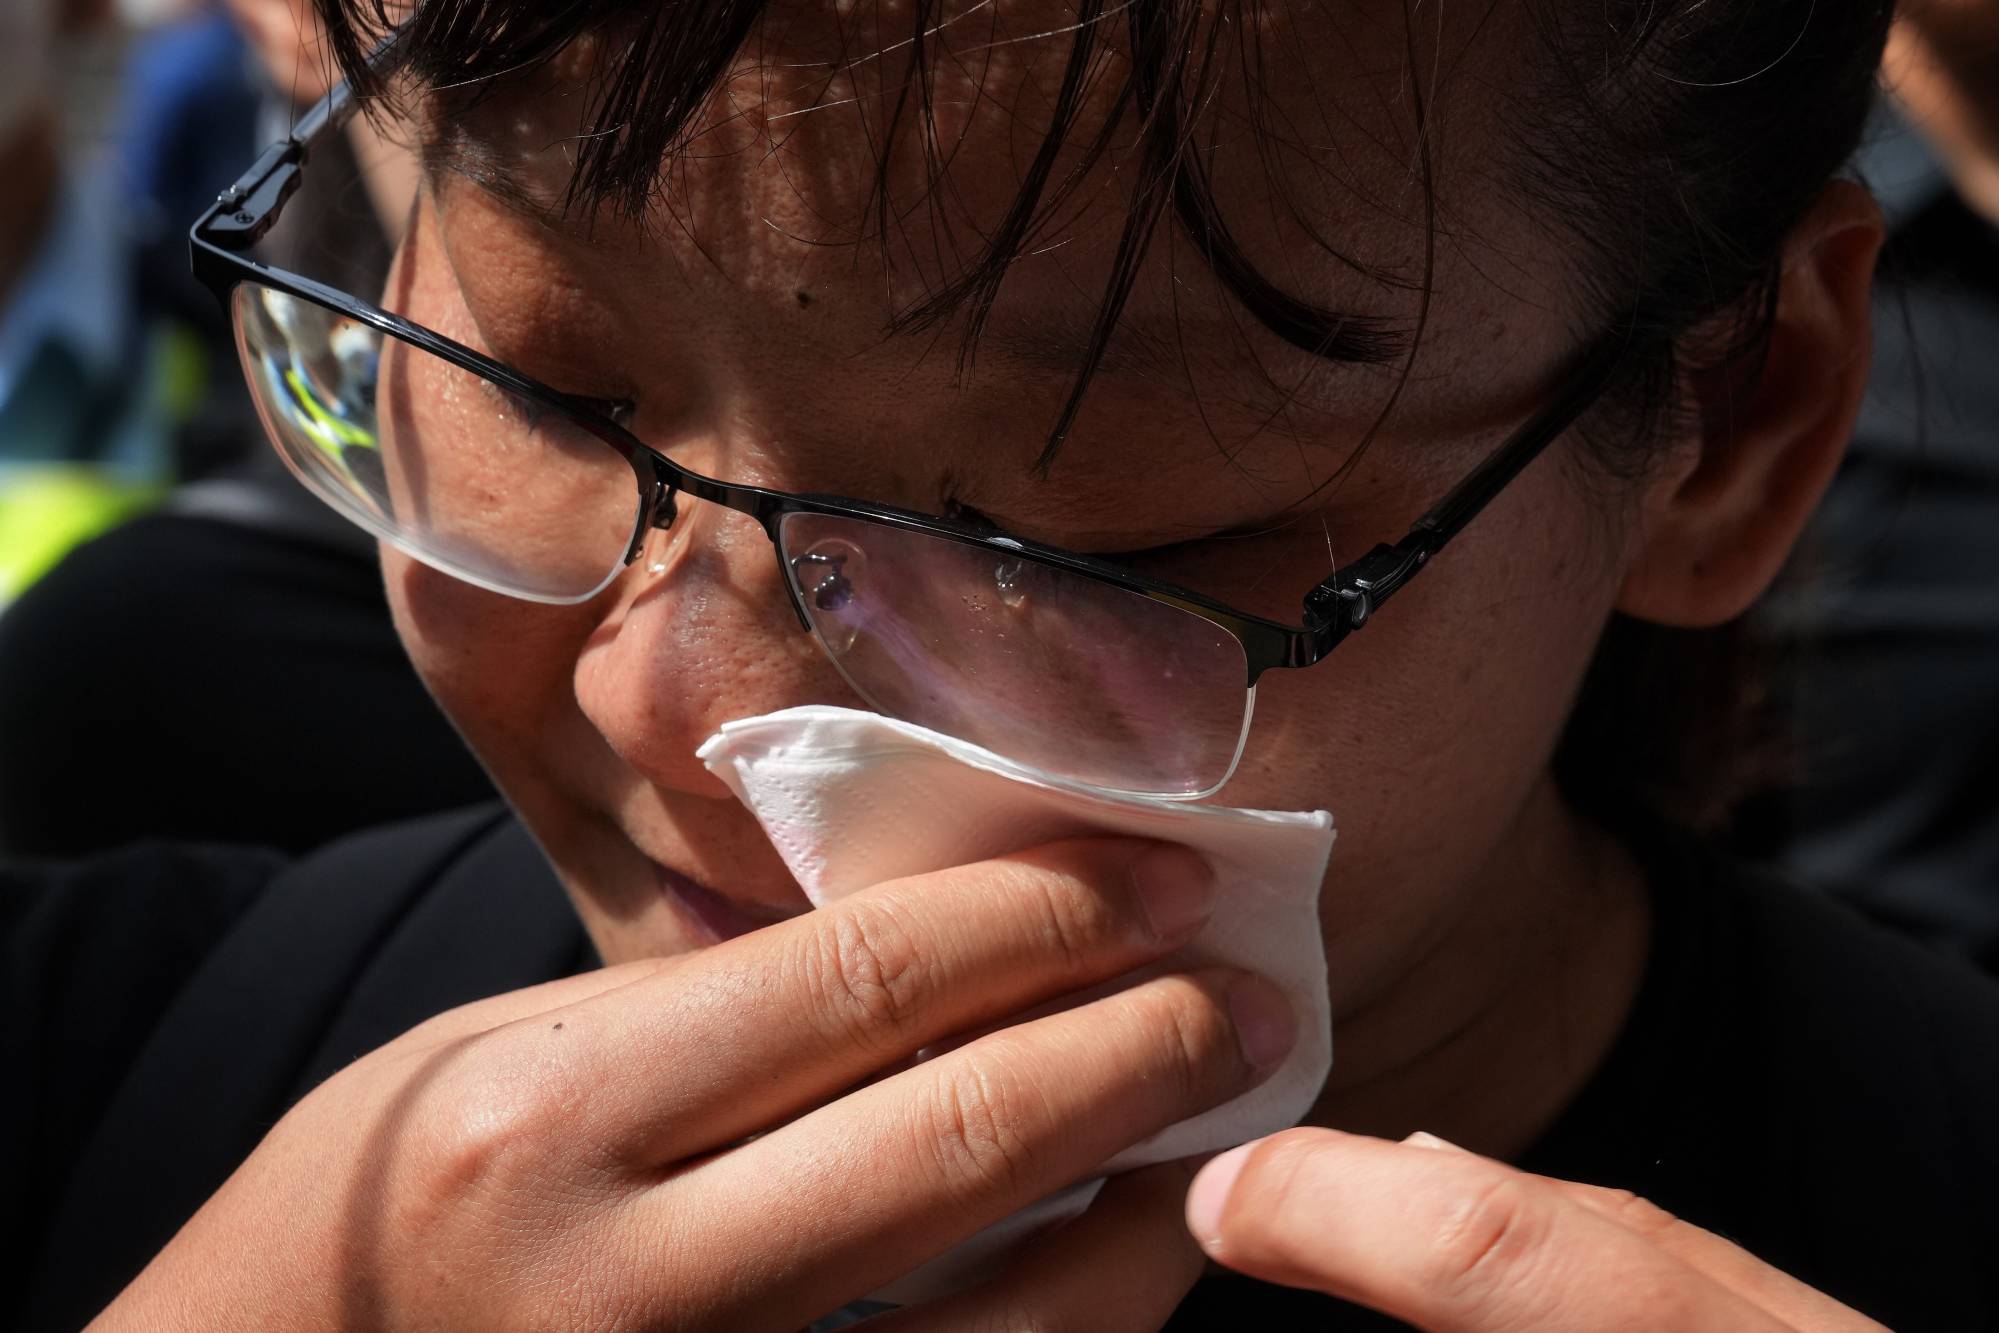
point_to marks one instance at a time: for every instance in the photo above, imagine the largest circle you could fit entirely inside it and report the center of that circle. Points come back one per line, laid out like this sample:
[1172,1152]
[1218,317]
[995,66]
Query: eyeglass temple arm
[245,211]
[1347,600]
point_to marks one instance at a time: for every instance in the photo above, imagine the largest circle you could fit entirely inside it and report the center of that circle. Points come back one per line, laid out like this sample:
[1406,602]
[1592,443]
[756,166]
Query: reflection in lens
[825,575]
[1053,669]
[462,474]
[1009,580]
[324,398]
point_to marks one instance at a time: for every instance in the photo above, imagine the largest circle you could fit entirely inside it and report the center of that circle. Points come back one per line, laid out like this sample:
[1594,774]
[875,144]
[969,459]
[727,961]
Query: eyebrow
[474,159]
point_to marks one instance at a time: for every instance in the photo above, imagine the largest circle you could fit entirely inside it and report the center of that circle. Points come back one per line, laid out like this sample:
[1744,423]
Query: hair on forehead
[662,62]
[1668,146]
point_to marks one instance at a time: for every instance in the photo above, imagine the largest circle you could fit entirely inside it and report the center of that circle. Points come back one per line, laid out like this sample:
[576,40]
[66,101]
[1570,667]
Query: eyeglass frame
[1335,608]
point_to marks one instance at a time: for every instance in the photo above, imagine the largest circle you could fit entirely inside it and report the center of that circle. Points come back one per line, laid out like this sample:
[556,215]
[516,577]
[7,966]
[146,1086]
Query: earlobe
[1717,530]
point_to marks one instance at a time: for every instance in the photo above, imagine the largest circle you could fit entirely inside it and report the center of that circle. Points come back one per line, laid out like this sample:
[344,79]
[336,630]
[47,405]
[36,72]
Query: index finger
[1446,1241]
[1732,1266]
[750,1032]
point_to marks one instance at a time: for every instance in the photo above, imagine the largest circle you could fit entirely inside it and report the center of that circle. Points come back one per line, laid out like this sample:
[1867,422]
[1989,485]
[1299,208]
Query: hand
[735,1139]
[1124,1264]
[1449,1241]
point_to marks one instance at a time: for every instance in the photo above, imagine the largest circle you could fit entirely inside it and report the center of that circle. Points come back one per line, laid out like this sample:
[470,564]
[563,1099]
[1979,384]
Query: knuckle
[484,1144]
[1491,1236]
[1191,1044]
[867,975]
[488,1124]
[1070,920]
[971,1126]
[1639,1214]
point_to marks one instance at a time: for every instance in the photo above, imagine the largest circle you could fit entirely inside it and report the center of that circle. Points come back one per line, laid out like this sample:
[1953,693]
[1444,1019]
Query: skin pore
[1484,940]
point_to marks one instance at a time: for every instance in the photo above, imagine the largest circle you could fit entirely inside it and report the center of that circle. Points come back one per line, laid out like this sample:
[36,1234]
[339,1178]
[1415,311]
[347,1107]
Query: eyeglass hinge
[1354,594]
[246,210]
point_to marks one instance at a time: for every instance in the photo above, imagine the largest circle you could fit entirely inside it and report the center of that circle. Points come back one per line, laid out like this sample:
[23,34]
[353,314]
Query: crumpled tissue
[852,799]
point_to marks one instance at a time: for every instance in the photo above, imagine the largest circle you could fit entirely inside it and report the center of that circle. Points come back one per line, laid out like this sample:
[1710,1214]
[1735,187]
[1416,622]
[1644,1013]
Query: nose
[699,631]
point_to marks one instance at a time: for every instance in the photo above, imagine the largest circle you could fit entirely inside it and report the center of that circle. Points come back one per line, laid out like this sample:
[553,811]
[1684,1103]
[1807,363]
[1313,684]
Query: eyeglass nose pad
[826,573]
[665,509]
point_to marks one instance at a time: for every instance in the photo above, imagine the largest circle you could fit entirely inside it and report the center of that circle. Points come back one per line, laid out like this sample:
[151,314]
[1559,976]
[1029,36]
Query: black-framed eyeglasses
[1051,658]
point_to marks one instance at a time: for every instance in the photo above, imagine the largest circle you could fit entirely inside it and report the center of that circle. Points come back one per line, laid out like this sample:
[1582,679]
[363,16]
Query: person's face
[744,321]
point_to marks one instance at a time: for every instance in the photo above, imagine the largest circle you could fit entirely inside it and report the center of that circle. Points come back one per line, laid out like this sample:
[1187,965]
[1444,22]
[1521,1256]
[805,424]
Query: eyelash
[532,411]
[618,411]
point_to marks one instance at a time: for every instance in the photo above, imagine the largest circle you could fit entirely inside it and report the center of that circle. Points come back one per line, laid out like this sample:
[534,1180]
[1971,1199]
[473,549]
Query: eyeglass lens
[1051,668]
[450,467]
[1067,673]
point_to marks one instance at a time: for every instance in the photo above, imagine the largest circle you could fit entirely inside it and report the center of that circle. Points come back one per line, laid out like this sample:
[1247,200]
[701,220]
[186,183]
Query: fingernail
[1424,1139]
[1176,890]
[1210,1194]
[1263,1021]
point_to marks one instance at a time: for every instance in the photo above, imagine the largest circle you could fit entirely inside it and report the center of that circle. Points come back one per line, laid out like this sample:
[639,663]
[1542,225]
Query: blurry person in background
[1894,624]
[258,616]
[88,394]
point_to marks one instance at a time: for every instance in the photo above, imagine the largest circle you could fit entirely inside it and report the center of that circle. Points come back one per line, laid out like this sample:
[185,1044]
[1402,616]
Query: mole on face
[804,299]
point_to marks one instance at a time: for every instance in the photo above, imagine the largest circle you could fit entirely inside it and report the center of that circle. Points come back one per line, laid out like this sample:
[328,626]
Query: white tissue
[853,799]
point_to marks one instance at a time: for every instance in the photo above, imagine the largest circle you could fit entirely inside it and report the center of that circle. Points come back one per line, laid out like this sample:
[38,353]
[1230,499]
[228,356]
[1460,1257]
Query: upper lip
[760,885]
[760,911]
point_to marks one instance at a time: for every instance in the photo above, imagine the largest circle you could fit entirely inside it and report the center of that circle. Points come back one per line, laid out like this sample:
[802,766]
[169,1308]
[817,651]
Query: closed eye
[533,412]
[618,411]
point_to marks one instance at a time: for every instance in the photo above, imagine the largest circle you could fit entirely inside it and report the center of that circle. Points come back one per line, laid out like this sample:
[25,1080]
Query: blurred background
[191,649]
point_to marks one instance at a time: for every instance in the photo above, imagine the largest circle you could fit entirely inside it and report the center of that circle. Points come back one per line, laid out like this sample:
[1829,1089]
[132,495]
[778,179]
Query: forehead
[843,151]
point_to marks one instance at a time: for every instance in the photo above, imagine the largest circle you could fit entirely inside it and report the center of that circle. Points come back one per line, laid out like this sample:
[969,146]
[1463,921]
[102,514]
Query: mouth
[712,915]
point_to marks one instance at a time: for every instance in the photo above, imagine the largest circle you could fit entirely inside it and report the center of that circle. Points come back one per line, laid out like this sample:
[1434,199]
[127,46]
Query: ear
[1719,527]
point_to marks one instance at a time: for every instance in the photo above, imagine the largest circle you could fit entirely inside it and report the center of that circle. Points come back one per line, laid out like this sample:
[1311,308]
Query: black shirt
[227,675]
[1820,1092]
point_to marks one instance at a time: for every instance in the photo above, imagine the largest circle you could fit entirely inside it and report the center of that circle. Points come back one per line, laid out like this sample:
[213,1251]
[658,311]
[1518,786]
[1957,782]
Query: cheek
[1444,699]
[1464,680]
[1426,732]
[500,668]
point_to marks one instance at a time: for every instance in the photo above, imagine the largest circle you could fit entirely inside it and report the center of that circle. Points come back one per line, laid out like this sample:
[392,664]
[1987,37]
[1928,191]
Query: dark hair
[1679,151]
[1675,141]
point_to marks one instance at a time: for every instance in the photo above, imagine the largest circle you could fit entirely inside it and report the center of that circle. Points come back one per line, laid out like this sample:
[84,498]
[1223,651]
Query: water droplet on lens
[1009,577]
